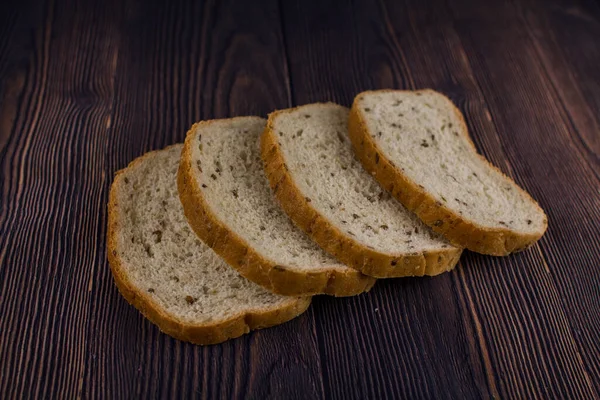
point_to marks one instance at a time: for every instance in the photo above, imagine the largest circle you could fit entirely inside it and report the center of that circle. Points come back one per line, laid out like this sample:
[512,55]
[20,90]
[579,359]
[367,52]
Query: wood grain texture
[86,86]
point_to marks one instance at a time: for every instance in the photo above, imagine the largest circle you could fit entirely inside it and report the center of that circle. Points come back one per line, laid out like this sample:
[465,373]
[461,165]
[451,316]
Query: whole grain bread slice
[227,200]
[416,144]
[168,274]
[325,191]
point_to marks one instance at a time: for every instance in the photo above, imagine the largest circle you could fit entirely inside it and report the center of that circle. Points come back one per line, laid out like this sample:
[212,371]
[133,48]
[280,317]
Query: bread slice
[416,144]
[227,200]
[325,190]
[167,273]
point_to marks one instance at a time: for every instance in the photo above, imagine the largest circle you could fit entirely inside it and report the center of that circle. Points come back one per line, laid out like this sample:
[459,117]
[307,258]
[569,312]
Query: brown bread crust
[322,231]
[210,333]
[458,230]
[247,261]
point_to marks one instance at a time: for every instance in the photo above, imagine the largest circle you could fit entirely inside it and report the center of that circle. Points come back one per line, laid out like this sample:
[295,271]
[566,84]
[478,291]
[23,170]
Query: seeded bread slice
[167,273]
[323,188]
[227,200]
[416,144]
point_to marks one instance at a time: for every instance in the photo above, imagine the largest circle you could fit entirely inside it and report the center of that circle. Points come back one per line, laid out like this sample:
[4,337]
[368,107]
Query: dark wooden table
[86,86]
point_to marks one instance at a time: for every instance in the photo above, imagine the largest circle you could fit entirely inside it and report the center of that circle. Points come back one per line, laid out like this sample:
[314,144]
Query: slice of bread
[167,273]
[324,189]
[416,144]
[227,200]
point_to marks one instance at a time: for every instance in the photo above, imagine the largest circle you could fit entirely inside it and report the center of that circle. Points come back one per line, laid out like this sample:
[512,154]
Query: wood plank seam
[397,47]
[286,57]
[484,352]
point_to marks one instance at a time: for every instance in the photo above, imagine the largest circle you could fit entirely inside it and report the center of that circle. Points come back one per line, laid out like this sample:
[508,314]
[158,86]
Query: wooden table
[86,86]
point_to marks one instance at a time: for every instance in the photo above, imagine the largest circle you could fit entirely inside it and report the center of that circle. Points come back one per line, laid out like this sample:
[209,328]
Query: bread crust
[211,333]
[247,261]
[322,231]
[458,230]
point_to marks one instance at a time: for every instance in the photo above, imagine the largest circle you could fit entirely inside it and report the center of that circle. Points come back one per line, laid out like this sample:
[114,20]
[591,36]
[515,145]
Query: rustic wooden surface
[86,86]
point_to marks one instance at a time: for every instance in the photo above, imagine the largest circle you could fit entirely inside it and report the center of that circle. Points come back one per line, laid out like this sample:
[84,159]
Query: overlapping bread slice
[227,200]
[167,273]
[416,144]
[324,189]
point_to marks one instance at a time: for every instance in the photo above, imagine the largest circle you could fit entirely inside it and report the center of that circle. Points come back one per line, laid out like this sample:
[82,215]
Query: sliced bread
[227,200]
[167,273]
[416,144]
[324,189]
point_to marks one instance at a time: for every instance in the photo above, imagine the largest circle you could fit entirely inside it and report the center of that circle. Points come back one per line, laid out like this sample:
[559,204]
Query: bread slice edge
[242,257]
[353,253]
[458,230]
[201,334]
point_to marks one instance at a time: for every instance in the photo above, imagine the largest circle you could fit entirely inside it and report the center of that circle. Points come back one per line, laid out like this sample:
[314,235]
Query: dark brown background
[85,87]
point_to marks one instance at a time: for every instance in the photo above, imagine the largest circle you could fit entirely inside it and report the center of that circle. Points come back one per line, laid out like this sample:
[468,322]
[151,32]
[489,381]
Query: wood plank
[178,64]
[407,337]
[51,193]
